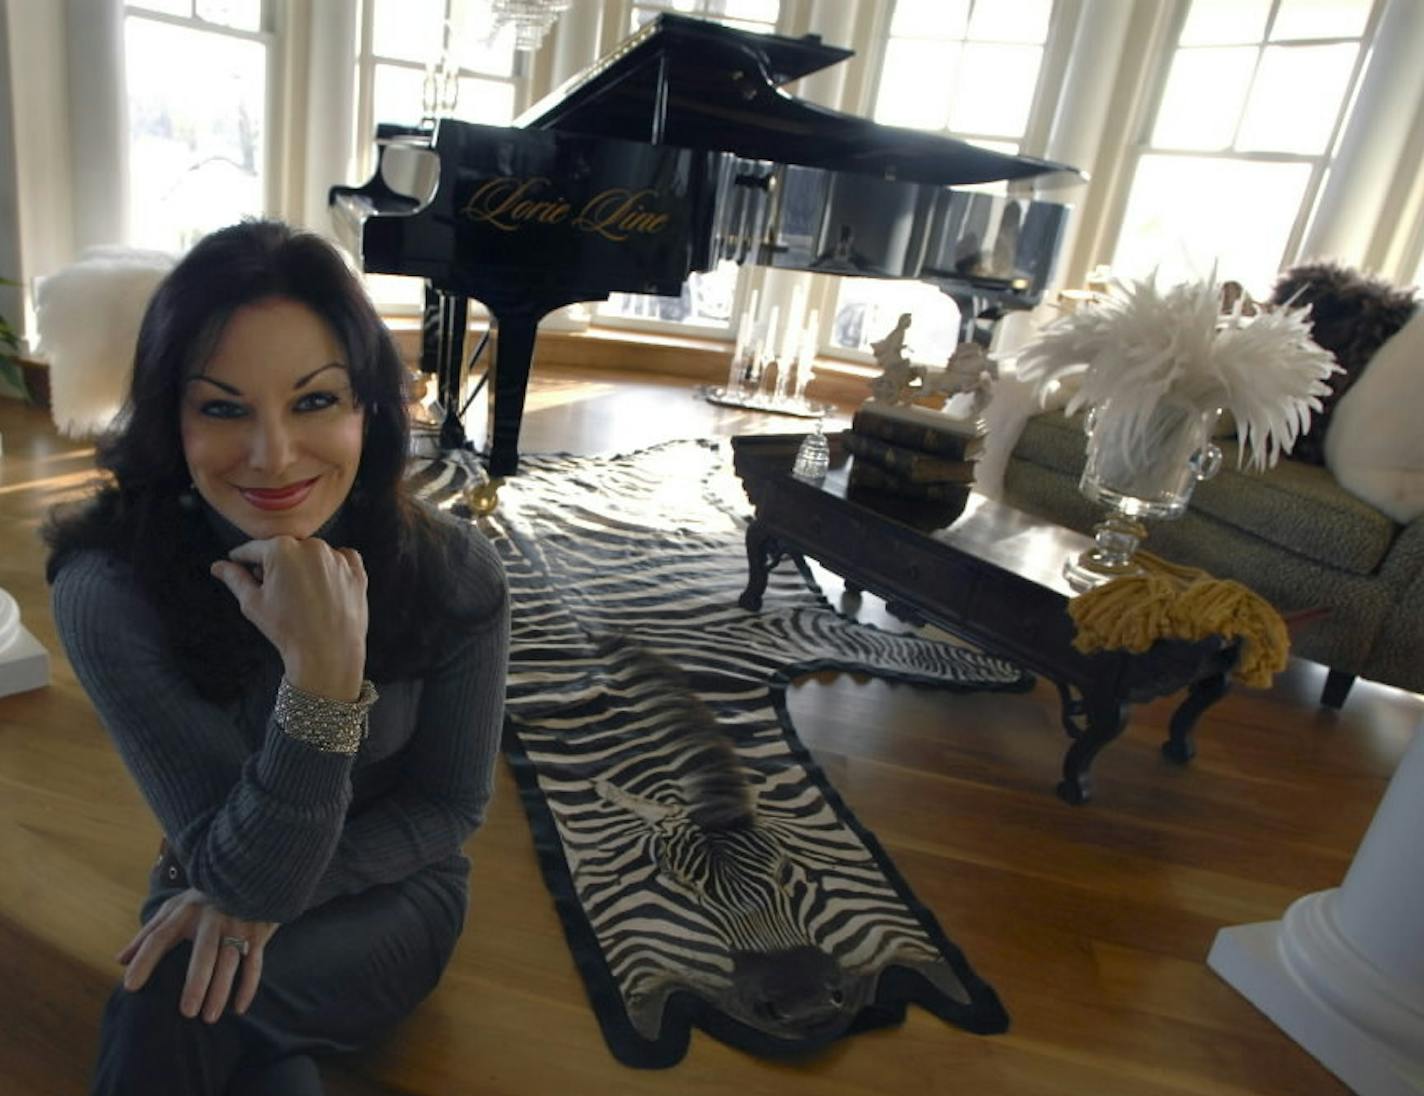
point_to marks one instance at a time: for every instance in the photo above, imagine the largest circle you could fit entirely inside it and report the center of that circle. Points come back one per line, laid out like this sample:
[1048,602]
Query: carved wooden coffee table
[992,575]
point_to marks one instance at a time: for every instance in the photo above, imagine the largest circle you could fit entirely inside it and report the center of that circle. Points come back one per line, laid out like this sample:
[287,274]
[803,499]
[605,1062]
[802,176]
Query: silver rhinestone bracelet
[335,726]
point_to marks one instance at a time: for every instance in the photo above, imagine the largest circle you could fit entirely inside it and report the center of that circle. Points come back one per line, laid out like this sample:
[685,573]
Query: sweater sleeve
[447,768]
[254,830]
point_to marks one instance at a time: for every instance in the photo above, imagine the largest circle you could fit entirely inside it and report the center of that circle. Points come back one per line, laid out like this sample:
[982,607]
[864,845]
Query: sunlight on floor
[556,394]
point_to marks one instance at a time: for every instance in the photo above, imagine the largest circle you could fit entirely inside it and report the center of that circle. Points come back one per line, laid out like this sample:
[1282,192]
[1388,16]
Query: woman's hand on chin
[225,949]
[309,600]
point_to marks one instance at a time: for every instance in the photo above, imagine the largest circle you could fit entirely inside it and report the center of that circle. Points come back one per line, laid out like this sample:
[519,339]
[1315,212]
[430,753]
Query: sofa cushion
[1375,449]
[1295,506]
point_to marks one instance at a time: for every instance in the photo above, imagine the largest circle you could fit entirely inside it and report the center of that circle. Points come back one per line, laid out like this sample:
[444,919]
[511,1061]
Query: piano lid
[688,82]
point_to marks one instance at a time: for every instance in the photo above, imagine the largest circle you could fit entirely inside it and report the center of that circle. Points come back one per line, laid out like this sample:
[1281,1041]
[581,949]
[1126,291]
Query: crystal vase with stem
[1139,470]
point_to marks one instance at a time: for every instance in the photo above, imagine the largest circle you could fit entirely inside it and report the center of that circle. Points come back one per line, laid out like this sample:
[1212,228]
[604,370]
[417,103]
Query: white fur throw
[88,316]
[1375,447]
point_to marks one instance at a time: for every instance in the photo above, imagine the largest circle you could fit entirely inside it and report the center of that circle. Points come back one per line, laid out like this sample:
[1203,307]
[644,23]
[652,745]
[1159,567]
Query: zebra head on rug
[736,905]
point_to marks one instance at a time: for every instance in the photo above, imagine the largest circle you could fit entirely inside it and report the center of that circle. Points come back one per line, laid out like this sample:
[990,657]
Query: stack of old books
[912,452]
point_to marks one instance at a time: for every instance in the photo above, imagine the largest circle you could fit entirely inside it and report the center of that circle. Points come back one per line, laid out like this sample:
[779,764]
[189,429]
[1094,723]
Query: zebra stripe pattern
[710,873]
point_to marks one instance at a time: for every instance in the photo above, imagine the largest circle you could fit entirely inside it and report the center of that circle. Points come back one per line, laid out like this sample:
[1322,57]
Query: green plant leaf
[12,380]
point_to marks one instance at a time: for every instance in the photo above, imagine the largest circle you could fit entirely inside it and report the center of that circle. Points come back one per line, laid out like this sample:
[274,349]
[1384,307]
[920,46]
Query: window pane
[1203,99]
[1010,21]
[904,99]
[1012,71]
[757,16]
[1225,22]
[1296,98]
[1186,213]
[394,291]
[867,309]
[239,14]
[486,101]
[167,7]
[930,18]
[399,94]
[1320,19]
[706,299]
[1008,148]
[758,11]
[476,50]
[197,122]
[409,30]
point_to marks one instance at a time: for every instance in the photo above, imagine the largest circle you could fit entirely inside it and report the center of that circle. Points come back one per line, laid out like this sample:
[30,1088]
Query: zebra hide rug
[705,870]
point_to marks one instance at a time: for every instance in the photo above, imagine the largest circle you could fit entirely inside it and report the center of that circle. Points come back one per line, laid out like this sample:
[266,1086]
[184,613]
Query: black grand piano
[677,149]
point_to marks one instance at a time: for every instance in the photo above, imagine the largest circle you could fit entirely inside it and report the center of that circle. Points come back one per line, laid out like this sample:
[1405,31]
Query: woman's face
[271,429]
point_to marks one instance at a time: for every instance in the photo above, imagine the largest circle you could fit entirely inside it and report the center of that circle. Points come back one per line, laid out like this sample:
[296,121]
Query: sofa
[1292,534]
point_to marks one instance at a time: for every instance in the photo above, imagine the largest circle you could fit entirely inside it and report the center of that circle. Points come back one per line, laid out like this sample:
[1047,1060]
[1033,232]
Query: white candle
[806,355]
[768,341]
[811,335]
[744,336]
[792,335]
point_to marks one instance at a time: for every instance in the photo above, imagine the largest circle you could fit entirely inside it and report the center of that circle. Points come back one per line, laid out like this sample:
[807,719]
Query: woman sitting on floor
[227,602]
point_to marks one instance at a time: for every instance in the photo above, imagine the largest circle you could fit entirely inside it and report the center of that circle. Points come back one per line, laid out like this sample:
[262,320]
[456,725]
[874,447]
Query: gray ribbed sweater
[263,823]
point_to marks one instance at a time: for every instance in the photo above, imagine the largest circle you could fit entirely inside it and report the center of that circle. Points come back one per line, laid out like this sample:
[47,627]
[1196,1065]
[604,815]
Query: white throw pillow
[1374,446]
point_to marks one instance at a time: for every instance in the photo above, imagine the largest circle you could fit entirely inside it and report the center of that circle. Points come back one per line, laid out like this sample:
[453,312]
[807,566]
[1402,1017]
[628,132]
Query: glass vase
[1139,469]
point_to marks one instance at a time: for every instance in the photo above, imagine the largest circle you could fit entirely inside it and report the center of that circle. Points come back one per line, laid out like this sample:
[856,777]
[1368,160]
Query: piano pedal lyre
[482,498]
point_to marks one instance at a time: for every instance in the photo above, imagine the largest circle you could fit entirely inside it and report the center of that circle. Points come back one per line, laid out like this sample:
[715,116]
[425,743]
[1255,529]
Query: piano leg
[976,314]
[454,314]
[514,352]
[430,332]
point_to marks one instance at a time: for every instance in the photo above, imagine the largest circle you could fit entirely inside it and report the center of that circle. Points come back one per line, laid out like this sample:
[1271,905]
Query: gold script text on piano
[509,204]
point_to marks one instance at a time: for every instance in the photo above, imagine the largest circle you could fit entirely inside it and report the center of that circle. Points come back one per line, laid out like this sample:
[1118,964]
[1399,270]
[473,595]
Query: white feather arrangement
[1141,347]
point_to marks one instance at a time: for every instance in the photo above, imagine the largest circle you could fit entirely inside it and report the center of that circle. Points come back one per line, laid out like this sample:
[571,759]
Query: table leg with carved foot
[763,552]
[1201,695]
[1072,709]
[1106,716]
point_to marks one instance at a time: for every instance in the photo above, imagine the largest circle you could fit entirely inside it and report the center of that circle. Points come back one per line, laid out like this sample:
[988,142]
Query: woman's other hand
[215,960]
[309,600]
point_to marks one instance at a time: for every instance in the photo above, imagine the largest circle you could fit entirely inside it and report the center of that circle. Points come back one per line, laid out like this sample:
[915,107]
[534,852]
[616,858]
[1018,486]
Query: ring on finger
[237,943]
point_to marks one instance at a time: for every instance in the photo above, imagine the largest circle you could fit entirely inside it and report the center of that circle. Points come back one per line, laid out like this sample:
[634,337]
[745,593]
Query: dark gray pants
[332,980]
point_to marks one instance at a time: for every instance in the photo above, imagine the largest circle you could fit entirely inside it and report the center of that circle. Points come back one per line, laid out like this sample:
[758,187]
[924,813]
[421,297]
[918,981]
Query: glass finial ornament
[813,459]
[531,19]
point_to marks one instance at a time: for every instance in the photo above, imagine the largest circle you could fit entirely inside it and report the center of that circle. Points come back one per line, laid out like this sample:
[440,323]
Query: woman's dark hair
[140,517]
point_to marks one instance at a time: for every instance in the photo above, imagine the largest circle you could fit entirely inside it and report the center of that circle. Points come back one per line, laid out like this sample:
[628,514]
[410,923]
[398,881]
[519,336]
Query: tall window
[707,298]
[199,133]
[409,40]
[968,69]
[1250,112]
[964,67]
[428,58]
[754,15]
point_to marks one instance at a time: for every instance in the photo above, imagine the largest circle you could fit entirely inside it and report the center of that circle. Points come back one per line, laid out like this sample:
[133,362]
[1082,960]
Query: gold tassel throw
[1175,602]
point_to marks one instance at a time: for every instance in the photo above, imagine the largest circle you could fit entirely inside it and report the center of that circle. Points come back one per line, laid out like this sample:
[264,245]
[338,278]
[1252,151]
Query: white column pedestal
[24,664]
[1343,972]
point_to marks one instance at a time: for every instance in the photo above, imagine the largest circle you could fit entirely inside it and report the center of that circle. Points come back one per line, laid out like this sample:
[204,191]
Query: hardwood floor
[1092,923]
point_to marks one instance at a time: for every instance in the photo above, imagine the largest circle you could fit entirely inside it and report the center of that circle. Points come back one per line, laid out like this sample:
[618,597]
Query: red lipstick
[278,498]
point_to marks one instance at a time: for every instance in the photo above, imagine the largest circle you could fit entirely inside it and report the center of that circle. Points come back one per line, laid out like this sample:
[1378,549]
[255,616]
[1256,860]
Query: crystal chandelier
[531,19]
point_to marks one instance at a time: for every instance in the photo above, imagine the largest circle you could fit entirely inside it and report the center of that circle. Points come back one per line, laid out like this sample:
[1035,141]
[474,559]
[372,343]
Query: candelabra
[772,363]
